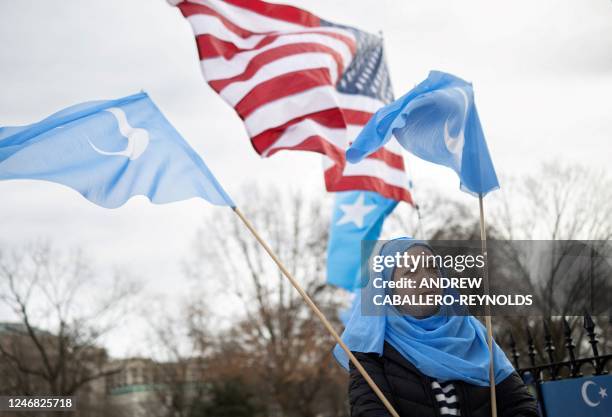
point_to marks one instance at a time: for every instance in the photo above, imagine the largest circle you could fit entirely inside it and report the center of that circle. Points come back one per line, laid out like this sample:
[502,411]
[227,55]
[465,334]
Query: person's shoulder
[394,356]
[391,353]
[513,380]
[514,396]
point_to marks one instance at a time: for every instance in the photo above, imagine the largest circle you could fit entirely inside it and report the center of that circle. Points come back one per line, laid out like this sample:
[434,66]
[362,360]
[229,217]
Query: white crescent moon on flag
[454,144]
[585,396]
[138,139]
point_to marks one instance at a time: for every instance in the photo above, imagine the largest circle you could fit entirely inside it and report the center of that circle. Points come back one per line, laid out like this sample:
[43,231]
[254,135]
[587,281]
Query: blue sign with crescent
[579,397]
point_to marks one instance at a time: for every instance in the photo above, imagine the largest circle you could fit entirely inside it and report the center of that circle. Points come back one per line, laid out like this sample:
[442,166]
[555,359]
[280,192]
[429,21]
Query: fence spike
[549,347]
[538,372]
[569,346]
[515,354]
[531,350]
[589,326]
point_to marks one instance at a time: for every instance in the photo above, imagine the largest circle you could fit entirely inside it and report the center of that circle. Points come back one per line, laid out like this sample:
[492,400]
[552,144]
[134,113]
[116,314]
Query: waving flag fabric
[299,83]
[110,151]
[358,215]
[436,121]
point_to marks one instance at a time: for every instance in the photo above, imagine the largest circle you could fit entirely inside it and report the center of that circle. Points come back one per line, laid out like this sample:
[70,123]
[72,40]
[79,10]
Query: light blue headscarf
[445,346]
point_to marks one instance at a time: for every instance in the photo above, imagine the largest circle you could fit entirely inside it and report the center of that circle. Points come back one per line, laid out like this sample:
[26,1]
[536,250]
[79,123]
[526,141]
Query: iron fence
[553,369]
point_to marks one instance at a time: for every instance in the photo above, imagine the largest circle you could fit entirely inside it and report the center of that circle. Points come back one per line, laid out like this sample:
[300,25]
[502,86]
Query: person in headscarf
[428,360]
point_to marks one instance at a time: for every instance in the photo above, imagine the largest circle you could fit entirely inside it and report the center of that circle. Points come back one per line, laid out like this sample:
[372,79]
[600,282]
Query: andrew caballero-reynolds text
[436,289]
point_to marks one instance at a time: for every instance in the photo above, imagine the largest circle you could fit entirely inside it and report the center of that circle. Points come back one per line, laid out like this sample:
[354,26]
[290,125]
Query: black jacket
[411,395]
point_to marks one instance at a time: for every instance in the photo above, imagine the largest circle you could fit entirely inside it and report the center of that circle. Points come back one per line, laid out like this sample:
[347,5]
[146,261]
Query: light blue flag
[437,121]
[357,216]
[110,151]
[589,396]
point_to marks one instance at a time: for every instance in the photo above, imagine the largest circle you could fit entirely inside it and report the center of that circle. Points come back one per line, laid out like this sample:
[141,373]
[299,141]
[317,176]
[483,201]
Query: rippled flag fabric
[437,121]
[110,151]
[299,82]
[357,216]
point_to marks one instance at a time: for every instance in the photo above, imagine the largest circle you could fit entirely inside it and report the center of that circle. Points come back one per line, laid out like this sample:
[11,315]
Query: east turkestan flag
[438,122]
[110,151]
[358,216]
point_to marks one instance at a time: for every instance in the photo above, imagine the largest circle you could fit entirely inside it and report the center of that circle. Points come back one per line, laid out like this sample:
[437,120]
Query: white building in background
[134,387]
[144,387]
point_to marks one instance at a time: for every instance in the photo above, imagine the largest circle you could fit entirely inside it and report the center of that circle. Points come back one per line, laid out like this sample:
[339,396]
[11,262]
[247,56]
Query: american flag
[299,82]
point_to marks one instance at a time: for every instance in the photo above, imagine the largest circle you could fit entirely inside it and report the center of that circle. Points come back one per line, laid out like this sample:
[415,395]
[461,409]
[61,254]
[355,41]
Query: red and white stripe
[277,67]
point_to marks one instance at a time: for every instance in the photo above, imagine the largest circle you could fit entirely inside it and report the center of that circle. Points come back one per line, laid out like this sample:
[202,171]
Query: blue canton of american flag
[299,83]
[367,75]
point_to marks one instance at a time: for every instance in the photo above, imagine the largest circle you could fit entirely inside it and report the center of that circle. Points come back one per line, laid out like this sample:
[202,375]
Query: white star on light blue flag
[355,212]
[358,216]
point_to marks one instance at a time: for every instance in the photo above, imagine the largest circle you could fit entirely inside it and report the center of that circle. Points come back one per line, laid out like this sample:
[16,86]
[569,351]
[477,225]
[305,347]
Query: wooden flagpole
[483,239]
[318,313]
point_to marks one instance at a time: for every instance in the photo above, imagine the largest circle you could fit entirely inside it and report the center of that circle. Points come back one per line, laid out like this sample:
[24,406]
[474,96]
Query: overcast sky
[542,74]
